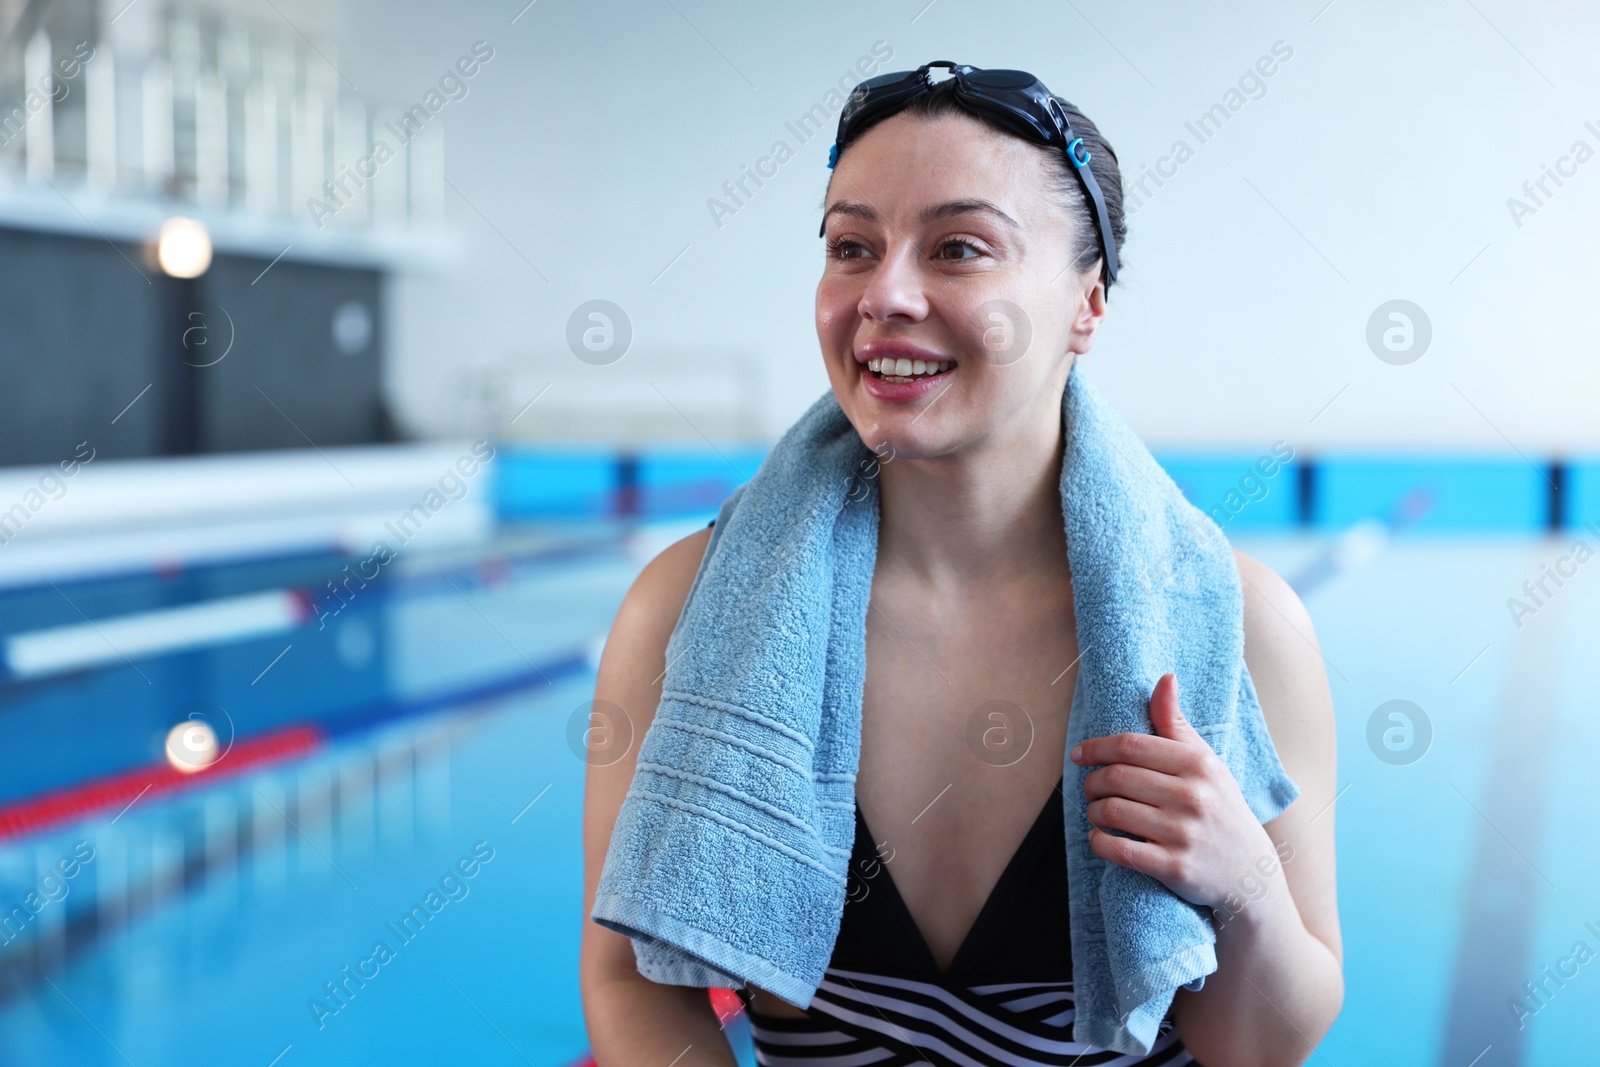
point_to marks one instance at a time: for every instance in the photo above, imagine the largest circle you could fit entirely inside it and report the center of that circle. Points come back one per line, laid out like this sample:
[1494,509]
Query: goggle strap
[1108,247]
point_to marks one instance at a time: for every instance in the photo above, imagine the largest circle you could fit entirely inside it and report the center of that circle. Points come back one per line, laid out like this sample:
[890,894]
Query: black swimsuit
[1007,998]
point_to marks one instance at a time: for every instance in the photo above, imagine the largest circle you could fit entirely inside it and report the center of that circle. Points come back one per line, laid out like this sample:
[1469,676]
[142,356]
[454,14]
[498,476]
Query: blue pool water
[208,922]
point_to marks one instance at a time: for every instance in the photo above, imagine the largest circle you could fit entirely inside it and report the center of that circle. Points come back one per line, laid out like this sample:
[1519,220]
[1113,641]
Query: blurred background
[357,356]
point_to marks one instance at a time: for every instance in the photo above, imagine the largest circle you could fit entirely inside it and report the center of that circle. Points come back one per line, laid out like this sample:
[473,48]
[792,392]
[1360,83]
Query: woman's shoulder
[1265,591]
[1286,663]
[631,663]
[662,588]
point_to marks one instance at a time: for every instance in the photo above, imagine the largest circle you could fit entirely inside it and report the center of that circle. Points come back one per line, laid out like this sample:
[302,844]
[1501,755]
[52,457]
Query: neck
[988,515]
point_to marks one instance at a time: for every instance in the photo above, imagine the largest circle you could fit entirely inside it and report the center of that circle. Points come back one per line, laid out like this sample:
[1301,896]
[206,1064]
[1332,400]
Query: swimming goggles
[1014,99]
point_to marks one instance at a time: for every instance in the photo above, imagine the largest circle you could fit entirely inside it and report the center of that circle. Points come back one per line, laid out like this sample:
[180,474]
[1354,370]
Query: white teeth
[904,368]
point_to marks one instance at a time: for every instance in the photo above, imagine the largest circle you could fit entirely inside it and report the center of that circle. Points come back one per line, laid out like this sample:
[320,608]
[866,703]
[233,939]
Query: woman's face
[946,243]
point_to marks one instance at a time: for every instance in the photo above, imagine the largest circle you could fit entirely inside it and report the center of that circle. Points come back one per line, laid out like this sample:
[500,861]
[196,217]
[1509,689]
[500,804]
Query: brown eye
[945,248]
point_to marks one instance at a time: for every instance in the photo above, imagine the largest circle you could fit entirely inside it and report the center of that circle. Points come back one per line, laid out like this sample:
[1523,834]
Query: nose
[894,290]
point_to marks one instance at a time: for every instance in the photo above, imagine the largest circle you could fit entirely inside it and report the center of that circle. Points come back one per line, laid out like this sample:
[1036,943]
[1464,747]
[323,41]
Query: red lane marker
[39,812]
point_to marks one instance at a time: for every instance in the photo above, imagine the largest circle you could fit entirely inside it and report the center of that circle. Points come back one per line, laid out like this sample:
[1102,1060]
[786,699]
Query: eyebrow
[946,210]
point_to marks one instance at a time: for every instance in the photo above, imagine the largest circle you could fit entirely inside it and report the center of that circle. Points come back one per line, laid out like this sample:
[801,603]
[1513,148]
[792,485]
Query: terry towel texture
[728,861]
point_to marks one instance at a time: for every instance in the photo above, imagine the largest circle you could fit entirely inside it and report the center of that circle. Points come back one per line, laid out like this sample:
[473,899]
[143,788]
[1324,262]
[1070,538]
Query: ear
[1089,290]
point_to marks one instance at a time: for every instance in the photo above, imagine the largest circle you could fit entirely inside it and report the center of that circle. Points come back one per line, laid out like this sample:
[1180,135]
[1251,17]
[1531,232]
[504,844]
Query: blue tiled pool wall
[1272,490]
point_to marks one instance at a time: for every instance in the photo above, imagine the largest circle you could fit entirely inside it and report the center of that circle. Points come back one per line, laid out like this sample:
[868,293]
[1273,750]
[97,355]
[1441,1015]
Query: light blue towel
[728,861]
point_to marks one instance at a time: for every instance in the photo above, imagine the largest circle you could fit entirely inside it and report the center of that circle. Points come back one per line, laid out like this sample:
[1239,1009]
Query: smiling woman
[972,227]
[958,257]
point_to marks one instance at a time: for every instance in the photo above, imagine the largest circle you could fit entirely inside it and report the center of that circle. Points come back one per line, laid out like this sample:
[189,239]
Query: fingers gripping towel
[728,861]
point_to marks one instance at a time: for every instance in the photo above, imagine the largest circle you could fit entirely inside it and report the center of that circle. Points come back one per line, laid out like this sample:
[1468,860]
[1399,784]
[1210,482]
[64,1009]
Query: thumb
[1165,714]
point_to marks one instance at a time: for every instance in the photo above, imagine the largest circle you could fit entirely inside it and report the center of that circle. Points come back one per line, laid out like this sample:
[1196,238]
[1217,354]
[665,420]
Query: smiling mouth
[891,369]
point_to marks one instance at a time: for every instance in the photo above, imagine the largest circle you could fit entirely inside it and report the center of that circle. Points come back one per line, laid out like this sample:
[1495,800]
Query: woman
[967,265]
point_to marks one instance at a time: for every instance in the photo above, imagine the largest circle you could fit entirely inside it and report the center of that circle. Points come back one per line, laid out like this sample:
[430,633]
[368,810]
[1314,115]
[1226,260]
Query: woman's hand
[1172,790]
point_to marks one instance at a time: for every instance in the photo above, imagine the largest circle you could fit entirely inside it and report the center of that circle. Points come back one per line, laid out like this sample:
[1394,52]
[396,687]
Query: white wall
[1377,165]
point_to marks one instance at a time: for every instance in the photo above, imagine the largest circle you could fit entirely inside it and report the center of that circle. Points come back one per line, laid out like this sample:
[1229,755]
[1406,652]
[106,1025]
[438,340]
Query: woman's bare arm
[634,1022]
[1279,982]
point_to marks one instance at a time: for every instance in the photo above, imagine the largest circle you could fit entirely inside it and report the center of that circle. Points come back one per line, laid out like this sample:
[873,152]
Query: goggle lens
[1000,79]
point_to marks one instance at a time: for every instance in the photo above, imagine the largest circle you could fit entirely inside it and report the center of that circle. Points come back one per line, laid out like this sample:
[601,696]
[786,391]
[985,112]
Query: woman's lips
[901,392]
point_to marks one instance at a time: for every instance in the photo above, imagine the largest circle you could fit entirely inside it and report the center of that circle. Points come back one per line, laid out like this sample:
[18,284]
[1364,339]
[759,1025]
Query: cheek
[834,306]
[966,322]
[987,328]
[1004,340]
